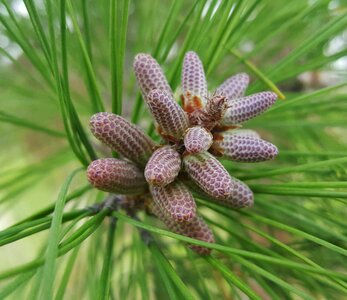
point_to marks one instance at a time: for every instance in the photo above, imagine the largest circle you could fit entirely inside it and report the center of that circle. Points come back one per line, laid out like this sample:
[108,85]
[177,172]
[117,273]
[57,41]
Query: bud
[149,75]
[116,176]
[197,139]
[122,136]
[234,87]
[245,108]
[175,201]
[194,85]
[196,229]
[163,166]
[242,148]
[209,174]
[241,196]
[216,107]
[170,116]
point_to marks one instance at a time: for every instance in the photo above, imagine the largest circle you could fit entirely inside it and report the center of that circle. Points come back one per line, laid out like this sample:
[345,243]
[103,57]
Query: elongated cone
[209,174]
[245,108]
[196,229]
[171,118]
[122,136]
[163,166]
[235,86]
[116,176]
[175,201]
[241,196]
[242,148]
[194,85]
[149,75]
[197,139]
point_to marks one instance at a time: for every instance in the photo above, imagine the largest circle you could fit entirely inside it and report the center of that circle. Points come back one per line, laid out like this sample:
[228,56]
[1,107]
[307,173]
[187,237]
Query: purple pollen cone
[243,148]
[122,136]
[194,85]
[209,174]
[235,86]
[171,118]
[116,176]
[149,75]
[197,139]
[163,166]
[245,108]
[196,229]
[176,201]
[241,196]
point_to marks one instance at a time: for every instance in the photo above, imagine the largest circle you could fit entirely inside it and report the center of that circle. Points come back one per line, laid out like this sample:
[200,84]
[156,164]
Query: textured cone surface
[163,166]
[209,174]
[243,109]
[241,196]
[244,132]
[149,75]
[194,84]
[175,201]
[196,229]
[122,136]
[197,139]
[171,118]
[243,148]
[235,86]
[116,176]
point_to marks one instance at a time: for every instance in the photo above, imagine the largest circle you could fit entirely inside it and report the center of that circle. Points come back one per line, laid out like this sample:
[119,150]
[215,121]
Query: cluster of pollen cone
[162,178]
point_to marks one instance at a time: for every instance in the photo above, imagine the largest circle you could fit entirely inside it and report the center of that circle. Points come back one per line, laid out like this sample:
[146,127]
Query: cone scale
[245,108]
[196,229]
[163,166]
[243,148]
[234,87]
[116,176]
[175,201]
[197,139]
[241,196]
[194,85]
[171,118]
[209,174]
[149,75]
[122,136]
